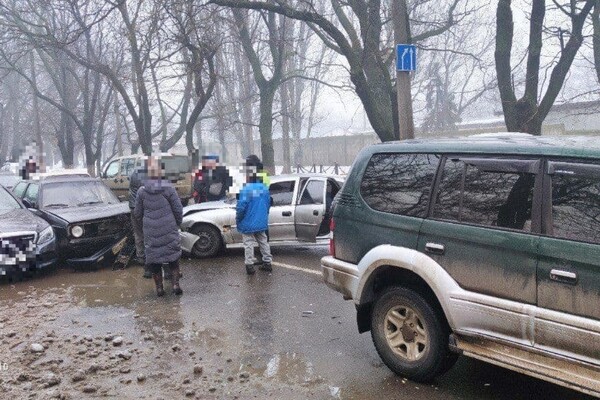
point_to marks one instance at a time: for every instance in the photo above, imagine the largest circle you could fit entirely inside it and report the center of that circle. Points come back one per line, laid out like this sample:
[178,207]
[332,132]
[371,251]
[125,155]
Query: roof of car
[62,178]
[284,177]
[508,143]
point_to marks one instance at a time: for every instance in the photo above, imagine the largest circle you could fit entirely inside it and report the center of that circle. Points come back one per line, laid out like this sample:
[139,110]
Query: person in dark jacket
[212,182]
[136,180]
[159,208]
[252,216]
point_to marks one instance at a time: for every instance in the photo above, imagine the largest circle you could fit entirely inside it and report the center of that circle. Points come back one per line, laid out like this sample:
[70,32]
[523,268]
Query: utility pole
[406,125]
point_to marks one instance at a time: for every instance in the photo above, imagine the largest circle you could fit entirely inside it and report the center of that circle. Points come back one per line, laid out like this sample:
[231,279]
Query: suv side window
[487,192]
[399,183]
[282,193]
[575,201]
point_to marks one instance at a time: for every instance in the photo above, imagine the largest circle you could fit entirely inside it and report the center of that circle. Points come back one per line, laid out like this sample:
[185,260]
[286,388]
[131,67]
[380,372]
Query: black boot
[175,274]
[250,269]
[266,267]
[158,281]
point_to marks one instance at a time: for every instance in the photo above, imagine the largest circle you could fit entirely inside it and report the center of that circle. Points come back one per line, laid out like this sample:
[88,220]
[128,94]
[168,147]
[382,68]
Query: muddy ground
[104,334]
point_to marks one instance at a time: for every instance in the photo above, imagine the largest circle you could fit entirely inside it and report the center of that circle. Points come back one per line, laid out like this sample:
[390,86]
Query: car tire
[410,336]
[209,243]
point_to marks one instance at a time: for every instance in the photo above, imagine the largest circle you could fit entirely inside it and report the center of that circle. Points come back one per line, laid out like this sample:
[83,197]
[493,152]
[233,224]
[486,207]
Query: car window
[7,202]
[176,168]
[313,193]
[485,194]
[176,164]
[32,193]
[19,189]
[127,166]
[113,169]
[576,203]
[399,183]
[282,193]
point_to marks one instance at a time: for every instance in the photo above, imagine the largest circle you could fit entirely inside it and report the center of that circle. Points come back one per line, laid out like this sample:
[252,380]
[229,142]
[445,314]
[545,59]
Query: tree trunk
[66,144]
[119,131]
[37,128]
[265,128]
[4,136]
[596,37]
[285,126]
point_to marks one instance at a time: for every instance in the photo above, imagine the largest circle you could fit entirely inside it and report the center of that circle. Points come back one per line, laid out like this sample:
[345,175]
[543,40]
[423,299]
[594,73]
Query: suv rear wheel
[410,336]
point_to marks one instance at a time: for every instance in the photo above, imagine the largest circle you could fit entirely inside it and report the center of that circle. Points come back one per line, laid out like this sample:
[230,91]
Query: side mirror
[28,203]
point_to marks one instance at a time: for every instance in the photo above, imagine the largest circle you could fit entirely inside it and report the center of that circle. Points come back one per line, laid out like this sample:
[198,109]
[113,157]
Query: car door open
[310,210]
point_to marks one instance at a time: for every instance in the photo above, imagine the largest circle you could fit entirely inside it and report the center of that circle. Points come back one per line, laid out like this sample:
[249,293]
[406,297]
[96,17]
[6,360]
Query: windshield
[7,202]
[8,180]
[76,194]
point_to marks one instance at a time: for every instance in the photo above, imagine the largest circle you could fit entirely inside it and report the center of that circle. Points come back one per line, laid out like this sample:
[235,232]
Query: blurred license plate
[119,246]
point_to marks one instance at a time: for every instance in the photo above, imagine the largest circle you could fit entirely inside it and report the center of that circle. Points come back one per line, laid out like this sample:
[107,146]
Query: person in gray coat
[159,208]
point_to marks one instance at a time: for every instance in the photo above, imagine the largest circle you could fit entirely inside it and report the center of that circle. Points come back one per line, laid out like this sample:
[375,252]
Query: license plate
[119,246]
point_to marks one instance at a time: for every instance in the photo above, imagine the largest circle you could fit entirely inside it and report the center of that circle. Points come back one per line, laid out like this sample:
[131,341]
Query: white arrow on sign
[403,58]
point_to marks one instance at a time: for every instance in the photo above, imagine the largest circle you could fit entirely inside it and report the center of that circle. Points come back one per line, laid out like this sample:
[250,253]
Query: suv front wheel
[409,335]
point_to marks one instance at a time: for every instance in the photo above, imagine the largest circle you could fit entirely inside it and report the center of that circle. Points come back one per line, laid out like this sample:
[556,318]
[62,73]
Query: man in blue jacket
[252,216]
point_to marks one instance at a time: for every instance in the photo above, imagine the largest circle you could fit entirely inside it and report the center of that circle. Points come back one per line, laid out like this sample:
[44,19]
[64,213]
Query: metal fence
[322,169]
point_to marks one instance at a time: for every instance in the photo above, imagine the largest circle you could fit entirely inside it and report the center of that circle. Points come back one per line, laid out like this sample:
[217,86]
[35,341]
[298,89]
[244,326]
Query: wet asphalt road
[287,328]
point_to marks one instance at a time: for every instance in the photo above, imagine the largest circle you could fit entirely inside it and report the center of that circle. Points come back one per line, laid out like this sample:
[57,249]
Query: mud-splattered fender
[440,282]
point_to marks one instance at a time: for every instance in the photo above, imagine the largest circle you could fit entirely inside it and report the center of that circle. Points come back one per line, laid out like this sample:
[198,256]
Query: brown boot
[175,274]
[158,281]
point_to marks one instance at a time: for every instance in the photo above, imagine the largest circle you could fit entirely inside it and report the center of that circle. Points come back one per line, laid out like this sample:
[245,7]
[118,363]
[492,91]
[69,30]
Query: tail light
[331,239]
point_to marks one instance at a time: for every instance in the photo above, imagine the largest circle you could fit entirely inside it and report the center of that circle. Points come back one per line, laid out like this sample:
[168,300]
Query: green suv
[484,246]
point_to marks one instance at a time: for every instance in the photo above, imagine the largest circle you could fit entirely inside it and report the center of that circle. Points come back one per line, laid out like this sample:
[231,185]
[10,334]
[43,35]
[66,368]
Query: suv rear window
[487,192]
[576,201]
[399,183]
[176,164]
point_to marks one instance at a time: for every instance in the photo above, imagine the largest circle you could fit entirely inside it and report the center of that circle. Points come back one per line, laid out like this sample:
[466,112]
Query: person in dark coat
[212,182]
[159,208]
[136,181]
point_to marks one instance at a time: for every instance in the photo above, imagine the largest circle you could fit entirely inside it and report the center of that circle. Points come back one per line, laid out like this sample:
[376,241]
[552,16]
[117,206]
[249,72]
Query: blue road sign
[406,57]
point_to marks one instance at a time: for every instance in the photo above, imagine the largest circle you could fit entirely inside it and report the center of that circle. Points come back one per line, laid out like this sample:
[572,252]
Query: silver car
[299,212]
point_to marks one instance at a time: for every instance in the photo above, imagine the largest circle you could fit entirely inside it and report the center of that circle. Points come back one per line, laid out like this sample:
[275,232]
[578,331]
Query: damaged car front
[90,223]
[27,242]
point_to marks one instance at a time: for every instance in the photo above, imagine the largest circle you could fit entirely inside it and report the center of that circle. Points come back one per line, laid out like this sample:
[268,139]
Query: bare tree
[527,113]
[198,46]
[354,30]
[267,87]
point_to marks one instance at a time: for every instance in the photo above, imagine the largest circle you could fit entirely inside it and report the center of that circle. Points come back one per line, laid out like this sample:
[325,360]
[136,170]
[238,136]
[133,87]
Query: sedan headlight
[45,236]
[77,231]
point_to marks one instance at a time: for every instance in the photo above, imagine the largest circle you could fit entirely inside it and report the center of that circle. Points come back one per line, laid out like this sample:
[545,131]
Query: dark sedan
[90,223]
[27,242]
